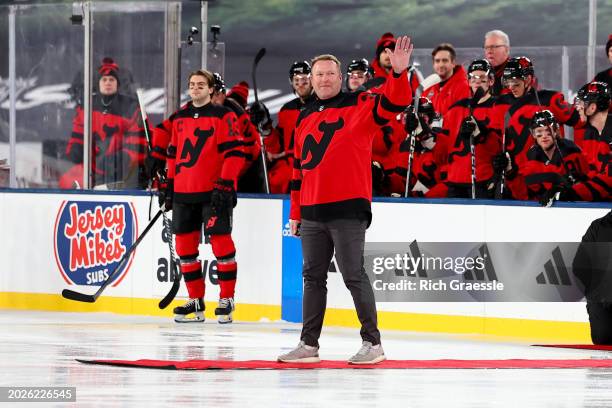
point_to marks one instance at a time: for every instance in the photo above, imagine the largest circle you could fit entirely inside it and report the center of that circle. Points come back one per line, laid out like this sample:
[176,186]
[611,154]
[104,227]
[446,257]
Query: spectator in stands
[118,144]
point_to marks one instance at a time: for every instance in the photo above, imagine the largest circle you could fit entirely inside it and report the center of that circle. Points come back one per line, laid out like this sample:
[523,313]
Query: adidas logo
[414,252]
[552,276]
[486,274]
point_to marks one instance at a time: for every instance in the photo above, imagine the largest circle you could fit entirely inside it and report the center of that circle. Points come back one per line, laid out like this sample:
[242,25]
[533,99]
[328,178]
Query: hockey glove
[166,194]
[411,122]
[467,129]
[260,116]
[505,162]
[153,166]
[223,195]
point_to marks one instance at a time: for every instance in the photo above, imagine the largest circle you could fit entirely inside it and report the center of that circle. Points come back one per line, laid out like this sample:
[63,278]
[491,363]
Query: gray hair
[500,34]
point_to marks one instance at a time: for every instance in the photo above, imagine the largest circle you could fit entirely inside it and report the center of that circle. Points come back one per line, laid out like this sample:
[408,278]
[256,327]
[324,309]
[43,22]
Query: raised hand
[400,56]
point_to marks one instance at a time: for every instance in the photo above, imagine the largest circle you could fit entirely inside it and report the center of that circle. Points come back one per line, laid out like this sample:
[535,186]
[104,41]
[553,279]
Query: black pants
[319,239]
[600,317]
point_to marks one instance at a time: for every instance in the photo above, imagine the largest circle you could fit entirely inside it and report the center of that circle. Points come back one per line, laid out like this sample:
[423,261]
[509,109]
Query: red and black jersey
[248,131]
[117,136]
[332,175]
[205,145]
[428,168]
[280,140]
[541,173]
[445,94]
[595,146]
[488,144]
[376,84]
[598,187]
[520,111]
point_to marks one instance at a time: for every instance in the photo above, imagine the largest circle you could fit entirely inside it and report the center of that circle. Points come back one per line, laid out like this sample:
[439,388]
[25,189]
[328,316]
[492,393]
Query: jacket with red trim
[445,94]
[117,132]
[333,148]
[205,145]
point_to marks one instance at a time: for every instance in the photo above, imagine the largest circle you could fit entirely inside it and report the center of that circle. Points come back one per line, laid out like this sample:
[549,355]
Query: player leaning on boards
[205,154]
[331,194]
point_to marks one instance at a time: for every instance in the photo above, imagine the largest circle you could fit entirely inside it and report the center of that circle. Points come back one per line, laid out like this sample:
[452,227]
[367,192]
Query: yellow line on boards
[123,305]
[433,323]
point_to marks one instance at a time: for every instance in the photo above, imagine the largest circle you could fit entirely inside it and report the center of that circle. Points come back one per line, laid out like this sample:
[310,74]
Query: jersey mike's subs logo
[90,238]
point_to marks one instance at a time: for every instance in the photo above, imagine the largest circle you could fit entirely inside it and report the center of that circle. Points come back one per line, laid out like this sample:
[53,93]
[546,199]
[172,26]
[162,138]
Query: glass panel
[48,54]
[127,54]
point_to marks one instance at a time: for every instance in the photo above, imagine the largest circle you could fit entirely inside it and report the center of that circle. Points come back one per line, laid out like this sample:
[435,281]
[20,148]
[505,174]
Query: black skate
[224,311]
[193,306]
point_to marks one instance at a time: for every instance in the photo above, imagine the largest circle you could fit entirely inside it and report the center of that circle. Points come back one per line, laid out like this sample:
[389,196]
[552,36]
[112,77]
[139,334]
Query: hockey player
[278,141]
[520,106]
[358,73]
[381,65]
[250,179]
[497,52]
[606,74]
[428,167]
[453,86]
[332,191]
[552,161]
[481,126]
[205,155]
[118,143]
[595,138]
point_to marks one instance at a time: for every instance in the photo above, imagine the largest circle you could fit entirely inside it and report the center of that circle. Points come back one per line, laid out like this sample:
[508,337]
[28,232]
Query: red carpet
[330,364]
[577,346]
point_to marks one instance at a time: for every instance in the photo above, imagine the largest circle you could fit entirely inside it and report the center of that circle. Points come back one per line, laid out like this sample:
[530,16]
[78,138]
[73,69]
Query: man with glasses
[474,129]
[497,52]
[278,141]
[519,107]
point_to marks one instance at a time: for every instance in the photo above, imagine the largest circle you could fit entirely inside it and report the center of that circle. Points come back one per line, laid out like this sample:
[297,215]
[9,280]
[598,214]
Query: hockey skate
[193,307]
[225,310]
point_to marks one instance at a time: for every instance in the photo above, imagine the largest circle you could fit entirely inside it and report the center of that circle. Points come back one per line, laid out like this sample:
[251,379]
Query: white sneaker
[368,354]
[301,354]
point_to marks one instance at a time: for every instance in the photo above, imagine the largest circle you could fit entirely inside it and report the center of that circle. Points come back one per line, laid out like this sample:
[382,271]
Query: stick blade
[79,297]
[176,284]
[260,54]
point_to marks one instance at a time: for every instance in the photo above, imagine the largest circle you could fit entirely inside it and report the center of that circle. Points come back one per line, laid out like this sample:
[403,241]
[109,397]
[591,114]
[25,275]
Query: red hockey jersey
[333,148]
[205,145]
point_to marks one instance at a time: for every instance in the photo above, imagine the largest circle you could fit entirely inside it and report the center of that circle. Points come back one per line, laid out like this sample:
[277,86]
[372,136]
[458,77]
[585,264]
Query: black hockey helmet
[426,108]
[544,118]
[518,67]
[359,65]
[597,93]
[219,83]
[480,65]
[299,68]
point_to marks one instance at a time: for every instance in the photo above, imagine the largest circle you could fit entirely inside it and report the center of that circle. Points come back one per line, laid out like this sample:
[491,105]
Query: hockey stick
[82,297]
[172,272]
[473,103]
[428,82]
[260,54]
[417,99]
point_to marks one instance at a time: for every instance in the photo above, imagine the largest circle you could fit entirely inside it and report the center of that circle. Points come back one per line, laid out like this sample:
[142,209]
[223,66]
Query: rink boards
[56,241]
